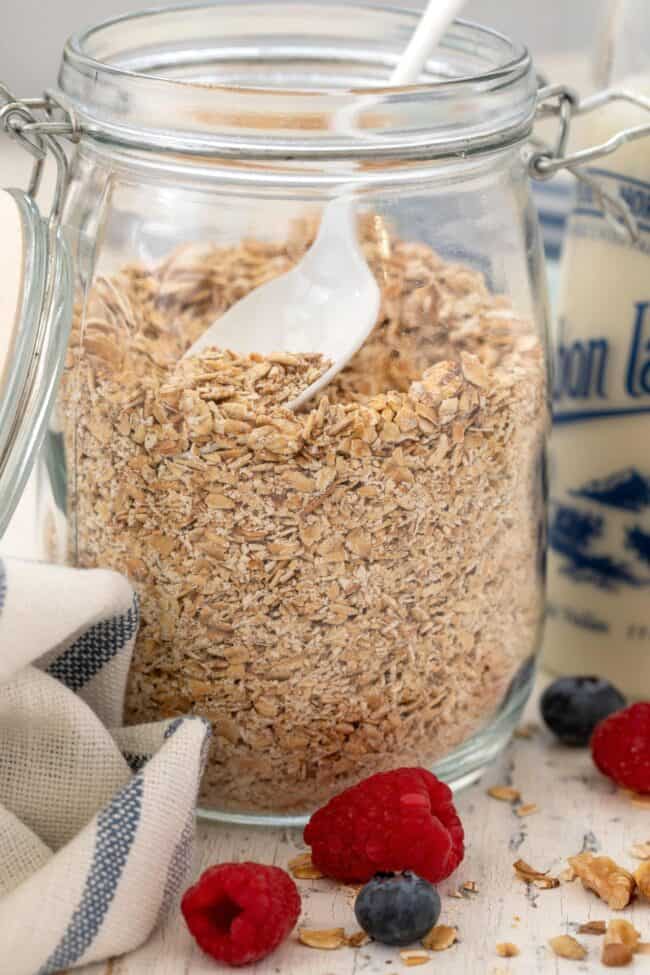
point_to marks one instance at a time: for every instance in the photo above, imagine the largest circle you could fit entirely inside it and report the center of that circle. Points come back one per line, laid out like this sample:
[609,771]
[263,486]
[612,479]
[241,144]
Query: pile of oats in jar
[340,590]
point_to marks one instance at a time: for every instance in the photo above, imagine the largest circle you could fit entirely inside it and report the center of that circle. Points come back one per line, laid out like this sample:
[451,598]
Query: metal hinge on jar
[545,161]
[37,124]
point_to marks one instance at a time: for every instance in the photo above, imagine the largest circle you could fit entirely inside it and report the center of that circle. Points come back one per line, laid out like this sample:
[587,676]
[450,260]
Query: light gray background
[32,32]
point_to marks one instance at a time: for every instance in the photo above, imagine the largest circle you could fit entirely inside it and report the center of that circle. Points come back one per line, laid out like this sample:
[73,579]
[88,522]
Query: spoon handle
[434,22]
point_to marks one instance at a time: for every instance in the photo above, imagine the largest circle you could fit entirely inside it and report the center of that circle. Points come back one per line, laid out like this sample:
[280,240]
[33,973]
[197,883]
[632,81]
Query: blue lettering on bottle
[581,370]
[637,378]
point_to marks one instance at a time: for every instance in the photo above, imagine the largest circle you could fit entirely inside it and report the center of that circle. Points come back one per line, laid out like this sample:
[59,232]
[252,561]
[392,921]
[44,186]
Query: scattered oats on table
[505,793]
[340,590]
[328,939]
[527,809]
[506,949]
[414,956]
[302,868]
[441,937]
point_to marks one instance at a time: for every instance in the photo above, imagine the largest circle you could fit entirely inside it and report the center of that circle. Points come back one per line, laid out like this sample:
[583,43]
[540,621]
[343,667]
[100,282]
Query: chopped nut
[527,809]
[601,874]
[470,886]
[328,939]
[531,876]
[302,868]
[616,955]
[506,949]
[641,851]
[620,931]
[593,927]
[642,878]
[440,938]
[565,946]
[505,793]
[414,957]
[357,940]
[568,875]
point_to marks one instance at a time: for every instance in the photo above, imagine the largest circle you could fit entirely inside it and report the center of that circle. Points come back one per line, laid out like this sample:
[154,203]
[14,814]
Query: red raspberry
[620,747]
[240,912]
[393,821]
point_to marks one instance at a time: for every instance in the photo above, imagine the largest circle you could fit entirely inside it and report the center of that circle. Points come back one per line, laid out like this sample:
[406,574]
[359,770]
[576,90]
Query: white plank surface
[578,810]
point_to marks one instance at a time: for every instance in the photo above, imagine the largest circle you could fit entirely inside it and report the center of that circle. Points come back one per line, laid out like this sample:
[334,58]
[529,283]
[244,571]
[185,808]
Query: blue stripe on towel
[3,584]
[117,826]
[94,648]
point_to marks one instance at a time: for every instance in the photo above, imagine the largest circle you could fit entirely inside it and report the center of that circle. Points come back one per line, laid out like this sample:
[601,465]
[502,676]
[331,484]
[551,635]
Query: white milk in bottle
[598,617]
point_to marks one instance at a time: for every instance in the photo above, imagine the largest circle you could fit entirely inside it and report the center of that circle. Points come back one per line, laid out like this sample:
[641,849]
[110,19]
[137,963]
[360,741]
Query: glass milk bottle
[599,554]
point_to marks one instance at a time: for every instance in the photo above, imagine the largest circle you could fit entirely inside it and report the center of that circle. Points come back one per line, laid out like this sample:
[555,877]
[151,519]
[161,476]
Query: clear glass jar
[358,585]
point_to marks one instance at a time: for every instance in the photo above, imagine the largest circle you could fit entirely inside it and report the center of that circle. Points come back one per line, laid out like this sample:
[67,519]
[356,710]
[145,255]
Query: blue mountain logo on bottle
[576,533]
[587,387]
[627,490]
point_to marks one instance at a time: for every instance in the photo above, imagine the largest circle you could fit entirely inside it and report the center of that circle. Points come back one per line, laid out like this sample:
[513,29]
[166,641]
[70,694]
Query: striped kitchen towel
[96,819]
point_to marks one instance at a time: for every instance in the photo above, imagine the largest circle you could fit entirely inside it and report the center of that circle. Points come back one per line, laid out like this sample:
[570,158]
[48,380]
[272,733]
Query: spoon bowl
[327,304]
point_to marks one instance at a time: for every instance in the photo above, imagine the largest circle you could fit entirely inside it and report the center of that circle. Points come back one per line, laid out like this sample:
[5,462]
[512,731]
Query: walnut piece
[642,878]
[622,941]
[607,879]
[616,955]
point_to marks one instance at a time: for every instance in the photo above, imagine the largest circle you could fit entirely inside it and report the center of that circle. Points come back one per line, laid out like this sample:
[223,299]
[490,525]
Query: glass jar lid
[265,79]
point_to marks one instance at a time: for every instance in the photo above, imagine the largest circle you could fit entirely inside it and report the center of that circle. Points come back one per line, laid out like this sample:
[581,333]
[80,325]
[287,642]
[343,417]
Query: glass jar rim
[181,79]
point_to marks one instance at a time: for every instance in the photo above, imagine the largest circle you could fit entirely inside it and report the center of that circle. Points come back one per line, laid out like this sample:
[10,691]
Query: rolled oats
[340,590]
[328,939]
[506,949]
[440,938]
[504,793]
[414,956]
[302,868]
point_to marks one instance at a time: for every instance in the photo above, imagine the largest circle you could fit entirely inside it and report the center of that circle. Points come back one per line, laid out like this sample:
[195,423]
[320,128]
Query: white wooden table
[578,810]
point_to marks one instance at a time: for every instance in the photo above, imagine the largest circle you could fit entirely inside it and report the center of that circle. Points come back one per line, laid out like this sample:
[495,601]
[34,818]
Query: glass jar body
[339,591]
[357,585]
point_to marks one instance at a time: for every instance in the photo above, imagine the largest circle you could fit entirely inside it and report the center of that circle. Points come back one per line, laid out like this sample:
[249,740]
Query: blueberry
[397,909]
[573,706]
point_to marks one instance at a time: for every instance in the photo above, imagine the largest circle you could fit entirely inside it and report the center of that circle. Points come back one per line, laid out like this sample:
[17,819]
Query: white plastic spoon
[329,302]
